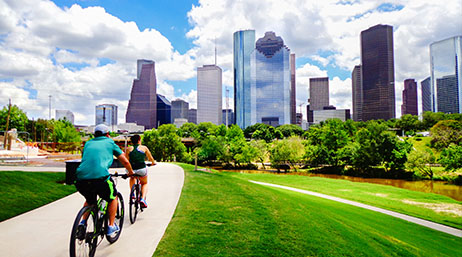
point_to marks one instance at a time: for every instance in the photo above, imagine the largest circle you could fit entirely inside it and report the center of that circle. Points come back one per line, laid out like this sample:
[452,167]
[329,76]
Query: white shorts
[141,172]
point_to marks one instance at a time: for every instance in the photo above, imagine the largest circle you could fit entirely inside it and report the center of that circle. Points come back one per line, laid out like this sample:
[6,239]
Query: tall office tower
[180,110]
[192,116]
[139,66]
[243,45]
[427,96]
[142,106]
[378,74]
[319,93]
[357,92]
[164,110]
[209,94]
[409,105]
[64,114]
[293,99]
[228,113]
[107,114]
[270,81]
[446,74]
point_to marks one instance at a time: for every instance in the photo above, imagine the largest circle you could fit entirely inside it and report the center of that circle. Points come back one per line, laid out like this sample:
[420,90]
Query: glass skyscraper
[319,93]
[164,109]
[427,96]
[409,105]
[357,92]
[243,45]
[270,81]
[106,114]
[209,94]
[446,74]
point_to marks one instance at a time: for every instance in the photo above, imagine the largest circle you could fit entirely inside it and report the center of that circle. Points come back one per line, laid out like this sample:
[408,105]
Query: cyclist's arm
[150,158]
[124,160]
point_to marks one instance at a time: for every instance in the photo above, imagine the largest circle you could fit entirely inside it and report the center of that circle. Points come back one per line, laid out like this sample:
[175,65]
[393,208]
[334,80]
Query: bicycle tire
[119,219]
[134,203]
[84,243]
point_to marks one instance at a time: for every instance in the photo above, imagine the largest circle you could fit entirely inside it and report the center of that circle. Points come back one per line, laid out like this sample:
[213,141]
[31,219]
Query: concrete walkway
[46,231]
[426,223]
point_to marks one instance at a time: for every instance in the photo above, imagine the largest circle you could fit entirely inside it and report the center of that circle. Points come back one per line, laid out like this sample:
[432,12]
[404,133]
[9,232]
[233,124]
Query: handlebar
[124,176]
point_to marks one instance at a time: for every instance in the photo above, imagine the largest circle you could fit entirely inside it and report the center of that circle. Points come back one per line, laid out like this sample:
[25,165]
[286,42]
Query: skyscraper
[164,110]
[293,99]
[192,116]
[446,74]
[357,92]
[139,66]
[427,96]
[243,45]
[409,105]
[319,93]
[378,74]
[180,110]
[142,106]
[107,114]
[228,114]
[64,114]
[270,81]
[209,94]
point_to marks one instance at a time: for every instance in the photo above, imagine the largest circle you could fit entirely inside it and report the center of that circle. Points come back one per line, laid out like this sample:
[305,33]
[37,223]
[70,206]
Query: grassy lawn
[23,191]
[220,214]
[433,207]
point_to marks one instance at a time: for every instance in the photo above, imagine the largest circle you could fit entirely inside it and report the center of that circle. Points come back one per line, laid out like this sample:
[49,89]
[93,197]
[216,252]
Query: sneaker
[113,230]
[81,229]
[143,203]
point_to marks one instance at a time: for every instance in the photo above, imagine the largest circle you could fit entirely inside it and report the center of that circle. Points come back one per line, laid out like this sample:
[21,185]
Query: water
[427,186]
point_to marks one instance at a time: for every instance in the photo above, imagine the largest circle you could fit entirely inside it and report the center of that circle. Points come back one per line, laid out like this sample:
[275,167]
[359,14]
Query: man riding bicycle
[93,177]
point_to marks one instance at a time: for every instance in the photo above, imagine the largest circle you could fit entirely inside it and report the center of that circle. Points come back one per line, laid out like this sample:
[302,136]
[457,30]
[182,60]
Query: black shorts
[89,188]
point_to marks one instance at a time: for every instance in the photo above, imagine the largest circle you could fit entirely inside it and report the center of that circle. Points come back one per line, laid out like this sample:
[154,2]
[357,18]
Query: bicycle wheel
[84,239]
[119,218]
[134,203]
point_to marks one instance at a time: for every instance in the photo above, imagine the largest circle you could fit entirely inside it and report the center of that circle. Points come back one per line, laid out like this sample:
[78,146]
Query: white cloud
[191,98]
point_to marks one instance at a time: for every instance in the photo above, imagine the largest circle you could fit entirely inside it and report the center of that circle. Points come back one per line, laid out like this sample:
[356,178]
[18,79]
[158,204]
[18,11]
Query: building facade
[192,116]
[270,81]
[446,74]
[164,110]
[180,110]
[319,93]
[323,115]
[106,114]
[64,114]
[378,74]
[243,46]
[293,97]
[427,96]
[142,106]
[357,93]
[209,94]
[228,117]
[409,105]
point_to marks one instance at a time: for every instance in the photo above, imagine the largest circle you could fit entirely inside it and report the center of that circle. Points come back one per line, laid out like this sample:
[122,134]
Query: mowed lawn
[23,191]
[220,214]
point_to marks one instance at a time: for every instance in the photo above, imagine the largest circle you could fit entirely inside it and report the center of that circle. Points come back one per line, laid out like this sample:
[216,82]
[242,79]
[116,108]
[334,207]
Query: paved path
[426,223]
[46,231]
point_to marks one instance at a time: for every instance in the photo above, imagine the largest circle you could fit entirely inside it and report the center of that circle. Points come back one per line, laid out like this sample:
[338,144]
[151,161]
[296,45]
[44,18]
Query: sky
[83,53]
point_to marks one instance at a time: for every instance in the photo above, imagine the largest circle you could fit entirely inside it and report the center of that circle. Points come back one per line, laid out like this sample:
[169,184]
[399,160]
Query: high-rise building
[106,114]
[243,45]
[409,105]
[319,93]
[164,110]
[209,94]
[293,99]
[228,114]
[270,81]
[64,114]
[378,75]
[427,96]
[180,110]
[142,106]
[192,116]
[357,92]
[446,74]
[139,66]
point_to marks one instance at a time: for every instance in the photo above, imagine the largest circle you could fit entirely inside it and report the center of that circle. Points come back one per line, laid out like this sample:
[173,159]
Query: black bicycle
[86,237]
[135,199]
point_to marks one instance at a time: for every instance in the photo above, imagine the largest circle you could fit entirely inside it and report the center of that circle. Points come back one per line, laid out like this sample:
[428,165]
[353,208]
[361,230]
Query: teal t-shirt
[97,158]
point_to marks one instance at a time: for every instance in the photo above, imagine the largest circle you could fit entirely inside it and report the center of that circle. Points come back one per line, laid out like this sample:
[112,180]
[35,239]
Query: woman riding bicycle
[137,155]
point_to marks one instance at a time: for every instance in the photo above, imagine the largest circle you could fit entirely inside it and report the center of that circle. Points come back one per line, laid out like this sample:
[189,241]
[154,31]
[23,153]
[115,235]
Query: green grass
[23,191]
[221,215]
[423,144]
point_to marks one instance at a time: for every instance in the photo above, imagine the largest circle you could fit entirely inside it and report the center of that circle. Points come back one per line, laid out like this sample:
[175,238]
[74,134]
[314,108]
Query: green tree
[65,134]
[289,130]
[187,129]
[409,123]
[211,149]
[431,118]
[18,119]
[420,161]
[446,132]
[164,143]
[261,148]
[451,157]
[287,151]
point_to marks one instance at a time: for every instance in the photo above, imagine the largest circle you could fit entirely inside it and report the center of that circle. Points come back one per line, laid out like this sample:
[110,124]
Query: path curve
[45,231]
[422,222]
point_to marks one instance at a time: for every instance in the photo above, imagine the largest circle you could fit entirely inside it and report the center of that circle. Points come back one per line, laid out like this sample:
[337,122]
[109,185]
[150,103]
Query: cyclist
[137,155]
[93,176]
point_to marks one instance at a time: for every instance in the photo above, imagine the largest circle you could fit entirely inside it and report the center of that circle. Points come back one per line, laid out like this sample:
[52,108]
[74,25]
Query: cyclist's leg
[144,186]
[86,189]
[108,192]
[132,182]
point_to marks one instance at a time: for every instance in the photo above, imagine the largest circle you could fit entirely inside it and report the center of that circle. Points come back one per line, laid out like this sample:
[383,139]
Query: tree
[287,151]
[289,130]
[261,148]
[421,161]
[451,157]
[64,132]
[164,143]
[446,132]
[409,122]
[18,119]
[210,150]
[187,129]
[431,118]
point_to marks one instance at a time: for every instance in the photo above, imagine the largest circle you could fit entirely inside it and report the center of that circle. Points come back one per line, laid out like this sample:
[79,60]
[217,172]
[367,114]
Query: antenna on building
[227,106]
[215,51]
[49,107]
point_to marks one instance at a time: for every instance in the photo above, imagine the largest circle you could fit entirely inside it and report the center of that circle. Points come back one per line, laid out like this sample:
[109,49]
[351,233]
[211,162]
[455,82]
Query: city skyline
[92,60]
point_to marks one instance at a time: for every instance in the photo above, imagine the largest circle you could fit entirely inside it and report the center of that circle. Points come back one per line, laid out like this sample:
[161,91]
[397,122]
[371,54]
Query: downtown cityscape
[231,128]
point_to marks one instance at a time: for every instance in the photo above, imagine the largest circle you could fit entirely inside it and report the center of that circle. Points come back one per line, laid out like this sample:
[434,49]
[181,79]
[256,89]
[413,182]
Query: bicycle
[85,238]
[135,198]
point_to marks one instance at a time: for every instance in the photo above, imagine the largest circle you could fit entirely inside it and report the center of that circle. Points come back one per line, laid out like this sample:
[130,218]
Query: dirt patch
[449,208]
[215,223]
